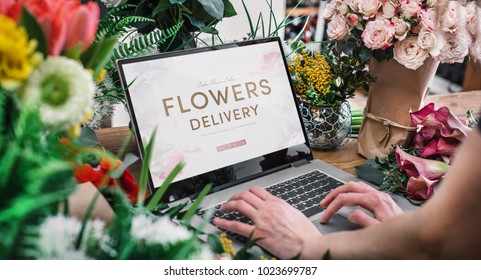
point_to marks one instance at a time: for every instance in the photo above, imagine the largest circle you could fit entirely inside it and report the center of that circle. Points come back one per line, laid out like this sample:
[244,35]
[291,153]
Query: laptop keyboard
[304,193]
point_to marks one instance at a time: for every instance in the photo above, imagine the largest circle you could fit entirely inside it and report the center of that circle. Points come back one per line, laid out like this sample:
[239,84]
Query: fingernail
[322,220]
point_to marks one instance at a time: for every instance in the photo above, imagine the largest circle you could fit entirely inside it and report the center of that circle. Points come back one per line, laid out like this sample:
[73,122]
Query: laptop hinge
[186,200]
[299,163]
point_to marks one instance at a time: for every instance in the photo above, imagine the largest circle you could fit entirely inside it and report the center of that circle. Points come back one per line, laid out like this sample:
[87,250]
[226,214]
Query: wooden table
[345,157]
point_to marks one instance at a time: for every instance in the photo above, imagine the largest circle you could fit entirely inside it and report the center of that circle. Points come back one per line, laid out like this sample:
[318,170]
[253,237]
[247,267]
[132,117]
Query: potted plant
[324,81]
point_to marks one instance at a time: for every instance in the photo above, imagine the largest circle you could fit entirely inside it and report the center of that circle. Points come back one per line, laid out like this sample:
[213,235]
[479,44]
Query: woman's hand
[283,230]
[380,204]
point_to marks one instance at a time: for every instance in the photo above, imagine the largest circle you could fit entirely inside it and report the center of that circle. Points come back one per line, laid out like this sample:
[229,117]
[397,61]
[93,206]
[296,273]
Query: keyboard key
[312,211]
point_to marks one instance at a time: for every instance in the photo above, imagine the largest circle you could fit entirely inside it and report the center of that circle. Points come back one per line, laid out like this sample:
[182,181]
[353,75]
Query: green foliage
[142,44]
[271,28]
[34,30]
[342,73]
[197,14]
[394,179]
[119,20]
[33,178]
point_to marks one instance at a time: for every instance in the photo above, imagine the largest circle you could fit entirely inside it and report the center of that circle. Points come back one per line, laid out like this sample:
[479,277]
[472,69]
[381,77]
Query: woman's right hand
[380,204]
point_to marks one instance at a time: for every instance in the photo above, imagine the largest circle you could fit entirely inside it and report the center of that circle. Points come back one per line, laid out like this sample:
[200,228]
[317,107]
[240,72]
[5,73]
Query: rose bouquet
[408,30]
[415,171]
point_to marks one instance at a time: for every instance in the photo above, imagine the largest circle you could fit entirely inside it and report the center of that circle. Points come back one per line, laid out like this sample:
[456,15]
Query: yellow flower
[17,54]
[227,244]
[311,70]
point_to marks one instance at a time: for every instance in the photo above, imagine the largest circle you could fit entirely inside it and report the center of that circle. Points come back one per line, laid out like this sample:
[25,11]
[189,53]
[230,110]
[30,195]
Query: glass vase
[327,126]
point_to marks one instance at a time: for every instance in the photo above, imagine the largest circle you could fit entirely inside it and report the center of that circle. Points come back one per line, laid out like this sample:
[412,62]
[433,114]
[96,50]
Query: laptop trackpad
[337,223]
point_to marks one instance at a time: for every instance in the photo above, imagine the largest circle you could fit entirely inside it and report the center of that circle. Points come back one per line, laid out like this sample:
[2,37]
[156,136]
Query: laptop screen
[228,112]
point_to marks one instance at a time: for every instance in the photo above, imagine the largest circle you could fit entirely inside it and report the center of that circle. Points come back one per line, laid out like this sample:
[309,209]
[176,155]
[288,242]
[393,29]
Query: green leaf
[214,8]
[214,244]
[75,52]
[88,138]
[161,7]
[159,193]
[229,10]
[128,161]
[34,31]
[144,172]
[210,30]
[365,55]
[193,208]
[249,19]
[98,55]
[177,1]
[200,24]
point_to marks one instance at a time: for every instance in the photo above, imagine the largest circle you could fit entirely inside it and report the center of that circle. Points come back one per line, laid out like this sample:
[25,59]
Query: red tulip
[416,166]
[65,23]
[82,23]
[420,188]
[11,9]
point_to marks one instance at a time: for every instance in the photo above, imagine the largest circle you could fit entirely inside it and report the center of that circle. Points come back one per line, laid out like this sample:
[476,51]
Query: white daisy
[158,230]
[62,91]
[58,234]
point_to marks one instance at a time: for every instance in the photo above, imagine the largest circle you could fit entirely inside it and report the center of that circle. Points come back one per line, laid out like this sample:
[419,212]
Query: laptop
[229,112]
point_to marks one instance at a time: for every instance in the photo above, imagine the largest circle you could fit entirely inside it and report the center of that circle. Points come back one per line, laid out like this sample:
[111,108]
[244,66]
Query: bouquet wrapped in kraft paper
[396,91]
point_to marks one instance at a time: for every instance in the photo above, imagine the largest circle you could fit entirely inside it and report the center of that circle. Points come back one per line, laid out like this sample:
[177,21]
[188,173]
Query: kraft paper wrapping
[396,91]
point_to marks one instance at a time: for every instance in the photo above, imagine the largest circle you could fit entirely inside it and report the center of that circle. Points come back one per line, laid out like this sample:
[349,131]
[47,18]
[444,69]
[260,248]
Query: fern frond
[123,23]
[117,22]
[141,44]
[114,11]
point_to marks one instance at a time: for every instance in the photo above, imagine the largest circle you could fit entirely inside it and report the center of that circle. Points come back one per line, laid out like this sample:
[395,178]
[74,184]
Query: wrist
[315,248]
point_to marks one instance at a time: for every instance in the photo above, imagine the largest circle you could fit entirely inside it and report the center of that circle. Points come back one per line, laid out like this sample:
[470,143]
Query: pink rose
[427,40]
[353,4]
[329,11]
[475,49]
[428,19]
[378,34]
[409,53]
[431,3]
[389,9]
[454,47]
[453,17]
[401,28]
[343,9]
[410,9]
[369,8]
[352,19]
[337,28]
[473,19]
